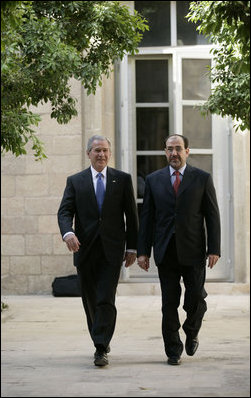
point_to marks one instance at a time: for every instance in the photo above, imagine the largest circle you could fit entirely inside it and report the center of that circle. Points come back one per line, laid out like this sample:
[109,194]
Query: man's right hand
[72,242]
[143,262]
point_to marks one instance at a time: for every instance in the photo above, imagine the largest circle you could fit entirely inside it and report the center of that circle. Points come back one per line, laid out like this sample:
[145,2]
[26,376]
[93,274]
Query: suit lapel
[167,180]
[88,184]
[110,183]
[186,180]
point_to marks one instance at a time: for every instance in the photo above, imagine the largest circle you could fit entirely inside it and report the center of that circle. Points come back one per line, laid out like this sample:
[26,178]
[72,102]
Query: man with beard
[180,219]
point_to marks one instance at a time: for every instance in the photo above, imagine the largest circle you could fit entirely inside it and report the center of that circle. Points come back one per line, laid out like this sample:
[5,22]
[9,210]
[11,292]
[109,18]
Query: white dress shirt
[173,176]
[94,177]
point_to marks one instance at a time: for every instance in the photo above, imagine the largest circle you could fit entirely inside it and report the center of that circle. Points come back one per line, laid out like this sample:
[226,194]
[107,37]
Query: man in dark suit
[179,208]
[101,199]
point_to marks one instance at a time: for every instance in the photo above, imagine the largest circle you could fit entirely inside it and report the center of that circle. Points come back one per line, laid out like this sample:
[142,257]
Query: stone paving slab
[47,351]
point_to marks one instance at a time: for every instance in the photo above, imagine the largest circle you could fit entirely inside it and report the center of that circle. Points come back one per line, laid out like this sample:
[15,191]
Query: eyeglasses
[170,149]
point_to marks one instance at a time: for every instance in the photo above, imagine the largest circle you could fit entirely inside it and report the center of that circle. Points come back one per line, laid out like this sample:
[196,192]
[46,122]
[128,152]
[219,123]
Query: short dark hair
[185,139]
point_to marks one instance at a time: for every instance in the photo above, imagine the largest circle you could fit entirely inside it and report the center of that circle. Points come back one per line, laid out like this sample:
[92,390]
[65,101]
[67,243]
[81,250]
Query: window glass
[195,80]
[197,128]
[203,162]
[145,165]
[152,128]
[152,81]
[186,31]
[157,14]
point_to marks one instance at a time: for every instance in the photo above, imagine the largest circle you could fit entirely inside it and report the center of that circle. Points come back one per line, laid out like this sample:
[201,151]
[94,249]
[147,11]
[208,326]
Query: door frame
[221,146]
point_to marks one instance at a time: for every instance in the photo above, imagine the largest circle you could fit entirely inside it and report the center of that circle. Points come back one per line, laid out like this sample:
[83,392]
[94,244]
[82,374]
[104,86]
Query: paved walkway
[47,352]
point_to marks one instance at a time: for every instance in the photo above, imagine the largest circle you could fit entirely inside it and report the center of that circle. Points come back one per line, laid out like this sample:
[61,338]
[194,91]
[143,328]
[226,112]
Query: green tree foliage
[44,44]
[227,24]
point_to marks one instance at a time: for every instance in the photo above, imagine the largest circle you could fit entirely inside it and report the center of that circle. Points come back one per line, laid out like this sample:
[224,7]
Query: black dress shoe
[108,349]
[174,361]
[191,345]
[100,358]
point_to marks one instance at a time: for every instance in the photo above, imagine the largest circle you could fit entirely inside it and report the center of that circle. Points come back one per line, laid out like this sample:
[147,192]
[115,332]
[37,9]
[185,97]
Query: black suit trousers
[99,279]
[170,274]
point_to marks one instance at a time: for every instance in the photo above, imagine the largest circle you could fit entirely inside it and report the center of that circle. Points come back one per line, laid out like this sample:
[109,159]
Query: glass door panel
[152,113]
[152,128]
[197,128]
[146,165]
[195,82]
[203,162]
[151,80]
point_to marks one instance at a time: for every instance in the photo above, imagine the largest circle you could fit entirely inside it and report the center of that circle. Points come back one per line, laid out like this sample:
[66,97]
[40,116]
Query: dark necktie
[100,191]
[177,181]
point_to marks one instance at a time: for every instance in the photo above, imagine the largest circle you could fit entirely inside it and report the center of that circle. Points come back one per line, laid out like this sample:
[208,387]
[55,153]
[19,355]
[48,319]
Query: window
[186,30]
[157,14]
[162,32]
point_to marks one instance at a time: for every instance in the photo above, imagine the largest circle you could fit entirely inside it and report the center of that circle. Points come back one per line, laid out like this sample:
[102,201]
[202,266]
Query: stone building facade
[33,253]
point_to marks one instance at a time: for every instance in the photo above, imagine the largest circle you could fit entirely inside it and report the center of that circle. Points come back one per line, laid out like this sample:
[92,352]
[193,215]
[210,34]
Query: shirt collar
[95,172]
[181,170]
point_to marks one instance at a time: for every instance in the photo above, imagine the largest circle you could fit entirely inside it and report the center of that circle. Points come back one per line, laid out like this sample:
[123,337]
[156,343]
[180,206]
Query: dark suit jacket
[118,223]
[194,209]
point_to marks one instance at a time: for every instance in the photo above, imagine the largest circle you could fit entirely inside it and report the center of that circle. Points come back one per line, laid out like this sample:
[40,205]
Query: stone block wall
[32,249]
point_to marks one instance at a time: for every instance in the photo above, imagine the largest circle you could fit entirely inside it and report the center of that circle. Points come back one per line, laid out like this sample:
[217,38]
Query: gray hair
[98,138]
